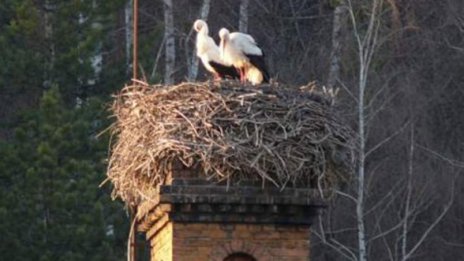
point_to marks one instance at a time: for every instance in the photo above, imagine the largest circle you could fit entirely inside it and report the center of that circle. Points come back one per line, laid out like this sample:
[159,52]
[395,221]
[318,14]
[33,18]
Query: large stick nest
[228,133]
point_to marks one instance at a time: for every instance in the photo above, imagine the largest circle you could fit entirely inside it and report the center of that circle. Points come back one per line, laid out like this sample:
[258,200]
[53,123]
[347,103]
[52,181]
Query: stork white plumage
[208,52]
[243,53]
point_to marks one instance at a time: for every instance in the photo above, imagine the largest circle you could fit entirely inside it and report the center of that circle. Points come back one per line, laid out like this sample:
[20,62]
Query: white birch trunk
[404,236]
[97,62]
[361,170]
[205,7]
[366,48]
[192,60]
[243,20]
[366,44]
[337,33]
[128,33]
[97,58]
[170,47]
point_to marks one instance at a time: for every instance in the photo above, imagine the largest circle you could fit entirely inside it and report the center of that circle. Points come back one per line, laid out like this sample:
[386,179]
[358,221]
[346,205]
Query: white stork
[208,52]
[243,53]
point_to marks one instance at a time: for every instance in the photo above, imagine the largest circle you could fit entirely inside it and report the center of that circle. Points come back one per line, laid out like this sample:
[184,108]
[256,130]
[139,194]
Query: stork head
[200,25]
[224,33]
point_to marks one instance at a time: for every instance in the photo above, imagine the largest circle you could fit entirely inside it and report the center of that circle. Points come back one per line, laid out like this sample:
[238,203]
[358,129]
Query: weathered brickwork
[161,244]
[198,241]
[192,219]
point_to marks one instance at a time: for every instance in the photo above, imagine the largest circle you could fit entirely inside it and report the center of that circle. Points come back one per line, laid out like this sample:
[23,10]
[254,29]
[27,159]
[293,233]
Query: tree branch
[452,162]
[432,226]
[387,139]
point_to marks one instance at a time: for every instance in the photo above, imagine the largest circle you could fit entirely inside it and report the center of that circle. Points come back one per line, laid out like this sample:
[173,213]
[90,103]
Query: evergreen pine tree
[51,205]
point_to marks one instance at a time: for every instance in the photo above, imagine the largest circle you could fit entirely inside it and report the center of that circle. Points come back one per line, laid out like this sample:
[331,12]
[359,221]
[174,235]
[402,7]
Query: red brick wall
[199,242]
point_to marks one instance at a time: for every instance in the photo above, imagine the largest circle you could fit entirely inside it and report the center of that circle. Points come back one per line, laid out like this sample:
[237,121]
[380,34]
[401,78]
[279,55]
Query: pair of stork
[237,56]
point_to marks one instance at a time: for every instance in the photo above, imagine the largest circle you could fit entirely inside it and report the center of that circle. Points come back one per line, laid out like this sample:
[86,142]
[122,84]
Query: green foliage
[55,42]
[21,55]
[51,205]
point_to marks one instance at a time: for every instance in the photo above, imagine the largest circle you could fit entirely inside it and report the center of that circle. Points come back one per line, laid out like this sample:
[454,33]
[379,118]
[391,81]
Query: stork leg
[239,70]
[217,77]
[242,75]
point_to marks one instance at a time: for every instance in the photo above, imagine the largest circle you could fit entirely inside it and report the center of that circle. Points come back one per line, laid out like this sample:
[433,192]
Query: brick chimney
[193,219]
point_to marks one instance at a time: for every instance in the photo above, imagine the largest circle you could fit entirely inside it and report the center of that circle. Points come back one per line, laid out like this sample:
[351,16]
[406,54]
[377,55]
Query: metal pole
[133,211]
[135,40]
[133,235]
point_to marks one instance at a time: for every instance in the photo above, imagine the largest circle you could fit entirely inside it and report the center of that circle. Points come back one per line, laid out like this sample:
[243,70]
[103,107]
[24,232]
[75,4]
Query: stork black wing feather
[225,71]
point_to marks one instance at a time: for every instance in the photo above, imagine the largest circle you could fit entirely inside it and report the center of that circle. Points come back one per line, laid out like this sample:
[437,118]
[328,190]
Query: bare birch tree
[243,16]
[192,59]
[337,32]
[387,218]
[366,48]
[170,47]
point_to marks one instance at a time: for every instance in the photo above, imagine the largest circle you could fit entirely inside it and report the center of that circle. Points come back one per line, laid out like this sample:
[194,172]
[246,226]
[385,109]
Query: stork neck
[204,30]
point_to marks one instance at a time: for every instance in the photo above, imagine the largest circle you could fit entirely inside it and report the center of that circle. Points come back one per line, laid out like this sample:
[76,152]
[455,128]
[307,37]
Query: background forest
[399,65]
